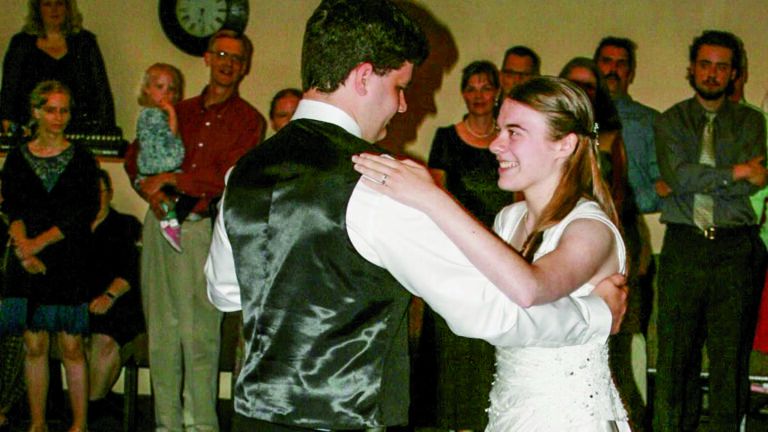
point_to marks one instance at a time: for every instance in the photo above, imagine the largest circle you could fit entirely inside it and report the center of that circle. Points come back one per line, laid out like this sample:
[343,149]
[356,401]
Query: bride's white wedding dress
[561,388]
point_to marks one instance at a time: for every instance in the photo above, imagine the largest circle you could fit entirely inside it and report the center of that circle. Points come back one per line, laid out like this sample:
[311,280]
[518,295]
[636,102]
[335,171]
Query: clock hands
[207,21]
[189,23]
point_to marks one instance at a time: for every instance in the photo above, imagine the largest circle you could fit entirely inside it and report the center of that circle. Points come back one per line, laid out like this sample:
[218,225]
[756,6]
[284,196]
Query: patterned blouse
[48,168]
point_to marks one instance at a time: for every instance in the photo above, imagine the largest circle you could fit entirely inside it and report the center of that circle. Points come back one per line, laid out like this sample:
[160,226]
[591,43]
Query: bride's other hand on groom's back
[613,290]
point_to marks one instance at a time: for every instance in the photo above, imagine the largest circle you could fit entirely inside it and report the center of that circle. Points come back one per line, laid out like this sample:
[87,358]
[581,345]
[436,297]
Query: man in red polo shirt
[217,127]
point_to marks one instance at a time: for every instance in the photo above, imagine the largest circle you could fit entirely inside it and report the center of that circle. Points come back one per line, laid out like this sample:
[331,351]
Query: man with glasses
[520,65]
[217,127]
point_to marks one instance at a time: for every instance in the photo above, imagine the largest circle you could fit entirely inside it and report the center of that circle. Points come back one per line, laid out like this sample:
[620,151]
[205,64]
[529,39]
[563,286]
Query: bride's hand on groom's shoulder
[613,290]
[404,180]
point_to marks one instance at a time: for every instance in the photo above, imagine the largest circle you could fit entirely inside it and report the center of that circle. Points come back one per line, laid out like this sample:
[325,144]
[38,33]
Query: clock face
[201,17]
[190,23]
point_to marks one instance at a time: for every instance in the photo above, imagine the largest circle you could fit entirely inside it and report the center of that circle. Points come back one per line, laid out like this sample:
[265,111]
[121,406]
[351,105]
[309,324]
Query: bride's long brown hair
[567,110]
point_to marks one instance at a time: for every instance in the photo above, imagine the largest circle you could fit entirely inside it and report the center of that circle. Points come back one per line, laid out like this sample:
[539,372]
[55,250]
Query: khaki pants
[184,328]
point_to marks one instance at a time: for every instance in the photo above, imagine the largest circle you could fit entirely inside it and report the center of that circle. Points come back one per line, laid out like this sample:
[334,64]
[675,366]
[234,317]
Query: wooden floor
[59,416]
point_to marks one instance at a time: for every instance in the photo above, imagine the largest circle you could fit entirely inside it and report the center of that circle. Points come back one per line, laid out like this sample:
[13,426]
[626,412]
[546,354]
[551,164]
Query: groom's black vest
[325,330]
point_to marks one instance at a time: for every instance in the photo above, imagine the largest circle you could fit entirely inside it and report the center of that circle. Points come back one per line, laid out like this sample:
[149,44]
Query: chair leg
[130,393]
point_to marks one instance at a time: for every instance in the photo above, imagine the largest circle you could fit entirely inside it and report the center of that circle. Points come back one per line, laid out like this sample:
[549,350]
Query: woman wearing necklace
[463,368]
[460,152]
[51,197]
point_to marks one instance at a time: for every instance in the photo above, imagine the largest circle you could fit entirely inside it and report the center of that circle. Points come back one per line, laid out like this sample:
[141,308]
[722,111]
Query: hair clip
[595,135]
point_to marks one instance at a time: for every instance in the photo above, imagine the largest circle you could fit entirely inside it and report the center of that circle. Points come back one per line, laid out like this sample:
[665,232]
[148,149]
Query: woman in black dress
[52,45]
[116,316]
[463,368]
[51,197]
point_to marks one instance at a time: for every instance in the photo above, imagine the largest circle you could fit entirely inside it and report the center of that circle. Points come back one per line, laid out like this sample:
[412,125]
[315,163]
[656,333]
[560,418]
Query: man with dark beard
[711,152]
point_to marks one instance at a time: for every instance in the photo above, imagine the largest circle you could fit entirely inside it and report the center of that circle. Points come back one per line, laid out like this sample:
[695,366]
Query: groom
[318,261]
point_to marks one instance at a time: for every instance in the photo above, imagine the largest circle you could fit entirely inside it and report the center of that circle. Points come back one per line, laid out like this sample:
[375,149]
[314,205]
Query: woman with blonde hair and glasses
[562,240]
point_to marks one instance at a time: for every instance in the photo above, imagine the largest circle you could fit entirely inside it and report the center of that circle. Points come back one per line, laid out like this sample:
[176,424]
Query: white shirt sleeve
[223,289]
[419,255]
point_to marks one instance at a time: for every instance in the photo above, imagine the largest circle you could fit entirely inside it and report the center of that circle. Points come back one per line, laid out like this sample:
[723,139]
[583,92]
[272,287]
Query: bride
[564,235]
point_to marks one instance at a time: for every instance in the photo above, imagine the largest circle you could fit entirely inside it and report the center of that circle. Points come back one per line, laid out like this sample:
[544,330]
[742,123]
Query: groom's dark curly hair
[342,34]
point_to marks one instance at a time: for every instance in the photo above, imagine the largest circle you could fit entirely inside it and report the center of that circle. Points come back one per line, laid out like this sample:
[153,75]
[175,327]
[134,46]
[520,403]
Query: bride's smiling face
[527,155]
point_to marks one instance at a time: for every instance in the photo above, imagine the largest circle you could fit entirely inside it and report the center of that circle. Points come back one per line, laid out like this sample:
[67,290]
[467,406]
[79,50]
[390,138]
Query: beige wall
[131,38]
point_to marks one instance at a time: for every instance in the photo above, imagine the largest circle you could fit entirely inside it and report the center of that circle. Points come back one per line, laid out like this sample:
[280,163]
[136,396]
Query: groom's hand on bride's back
[613,290]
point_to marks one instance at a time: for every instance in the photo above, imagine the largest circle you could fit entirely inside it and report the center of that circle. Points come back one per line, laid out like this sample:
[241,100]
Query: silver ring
[384,179]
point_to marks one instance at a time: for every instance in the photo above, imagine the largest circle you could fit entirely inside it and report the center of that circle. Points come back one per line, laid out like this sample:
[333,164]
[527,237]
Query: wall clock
[189,23]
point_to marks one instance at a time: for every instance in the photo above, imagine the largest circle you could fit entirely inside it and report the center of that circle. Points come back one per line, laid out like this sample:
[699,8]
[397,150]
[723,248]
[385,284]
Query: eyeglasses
[516,74]
[586,86]
[221,55]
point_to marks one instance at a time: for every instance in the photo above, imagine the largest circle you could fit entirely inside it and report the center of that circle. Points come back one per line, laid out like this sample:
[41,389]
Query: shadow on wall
[427,79]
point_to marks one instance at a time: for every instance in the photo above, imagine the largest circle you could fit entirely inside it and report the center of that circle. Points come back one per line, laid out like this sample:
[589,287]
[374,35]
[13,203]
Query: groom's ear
[360,76]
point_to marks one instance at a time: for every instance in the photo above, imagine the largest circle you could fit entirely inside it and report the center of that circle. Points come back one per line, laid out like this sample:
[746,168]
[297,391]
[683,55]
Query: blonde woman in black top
[51,197]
